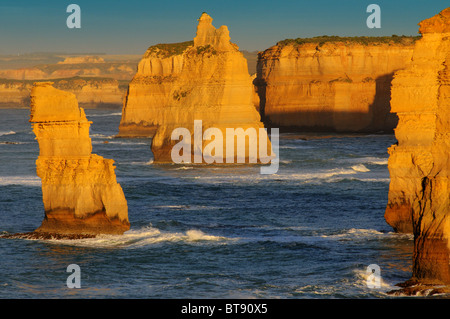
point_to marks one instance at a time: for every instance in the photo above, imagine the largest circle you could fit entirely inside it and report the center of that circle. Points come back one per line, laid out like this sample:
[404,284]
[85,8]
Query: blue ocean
[308,231]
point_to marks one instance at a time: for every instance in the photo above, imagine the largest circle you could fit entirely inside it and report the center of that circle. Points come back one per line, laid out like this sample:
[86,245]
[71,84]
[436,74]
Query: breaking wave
[103,115]
[150,162]
[319,175]
[367,160]
[360,168]
[361,233]
[20,180]
[380,162]
[362,276]
[2,133]
[97,135]
[141,238]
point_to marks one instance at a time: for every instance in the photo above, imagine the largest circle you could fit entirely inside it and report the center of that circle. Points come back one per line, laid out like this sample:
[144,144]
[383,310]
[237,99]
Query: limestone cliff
[331,83]
[419,163]
[90,92]
[14,93]
[94,92]
[206,80]
[79,189]
[118,68]
[149,90]
[82,59]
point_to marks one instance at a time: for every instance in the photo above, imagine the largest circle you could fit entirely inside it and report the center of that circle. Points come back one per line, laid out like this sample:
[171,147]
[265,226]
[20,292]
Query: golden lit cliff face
[341,86]
[207,72]
[79,189]
[149,91]
[89,92]
[419,164]
[206,79]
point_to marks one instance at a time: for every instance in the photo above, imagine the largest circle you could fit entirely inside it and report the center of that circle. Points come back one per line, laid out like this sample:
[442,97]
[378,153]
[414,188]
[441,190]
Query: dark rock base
[416,288]
[46,236]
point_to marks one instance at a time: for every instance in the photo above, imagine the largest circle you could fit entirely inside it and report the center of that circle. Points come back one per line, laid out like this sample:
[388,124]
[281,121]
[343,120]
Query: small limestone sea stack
[205,80]
[419,164]
[79,189]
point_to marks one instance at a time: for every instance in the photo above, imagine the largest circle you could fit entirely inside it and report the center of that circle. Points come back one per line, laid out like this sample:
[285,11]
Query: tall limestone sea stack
[79,189]
[419,163]
[205,80]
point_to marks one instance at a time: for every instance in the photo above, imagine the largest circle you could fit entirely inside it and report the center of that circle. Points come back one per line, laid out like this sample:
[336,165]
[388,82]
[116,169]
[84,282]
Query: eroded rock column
[203,80]
[419,164]
[79,189]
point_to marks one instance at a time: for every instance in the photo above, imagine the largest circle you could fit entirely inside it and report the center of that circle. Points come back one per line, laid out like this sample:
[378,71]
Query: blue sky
[131,26]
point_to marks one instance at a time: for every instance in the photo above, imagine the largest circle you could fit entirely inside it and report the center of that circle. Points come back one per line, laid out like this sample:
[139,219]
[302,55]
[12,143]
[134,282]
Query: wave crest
[7,133]
[360,168]
[142,238]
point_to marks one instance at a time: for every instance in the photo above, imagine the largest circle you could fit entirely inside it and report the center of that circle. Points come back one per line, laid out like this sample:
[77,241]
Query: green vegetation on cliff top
[165,50]
[321,40]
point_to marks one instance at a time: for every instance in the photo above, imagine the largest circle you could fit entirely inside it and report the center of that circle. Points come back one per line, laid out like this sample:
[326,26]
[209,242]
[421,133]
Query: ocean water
[309,231]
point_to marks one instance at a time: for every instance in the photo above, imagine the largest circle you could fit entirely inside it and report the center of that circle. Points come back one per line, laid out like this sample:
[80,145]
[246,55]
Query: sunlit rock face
[331,84]
[419,163]
[205,80]
[90,92]
[79,189]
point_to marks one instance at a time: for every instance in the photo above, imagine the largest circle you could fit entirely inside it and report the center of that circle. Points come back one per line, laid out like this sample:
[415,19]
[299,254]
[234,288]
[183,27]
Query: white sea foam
[128,143]
[319,175]
[170,206]
[142,238]
[12,143]
[366,160]
[361,280]
[317,290]
[187,207]
[355,232]
[360,168]
[119,142]
[20,180]
[103,115]
[353,178]
[150,162]
[97,135]
[374,180]
[183,168]
[362,233]
[296,147]
[379,162]
[287,147]
[2,133]
[325,174]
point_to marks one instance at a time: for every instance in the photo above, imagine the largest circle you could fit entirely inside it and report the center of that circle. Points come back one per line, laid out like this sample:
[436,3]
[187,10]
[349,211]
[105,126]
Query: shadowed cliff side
[331,84]
[79,189]
[419,163]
